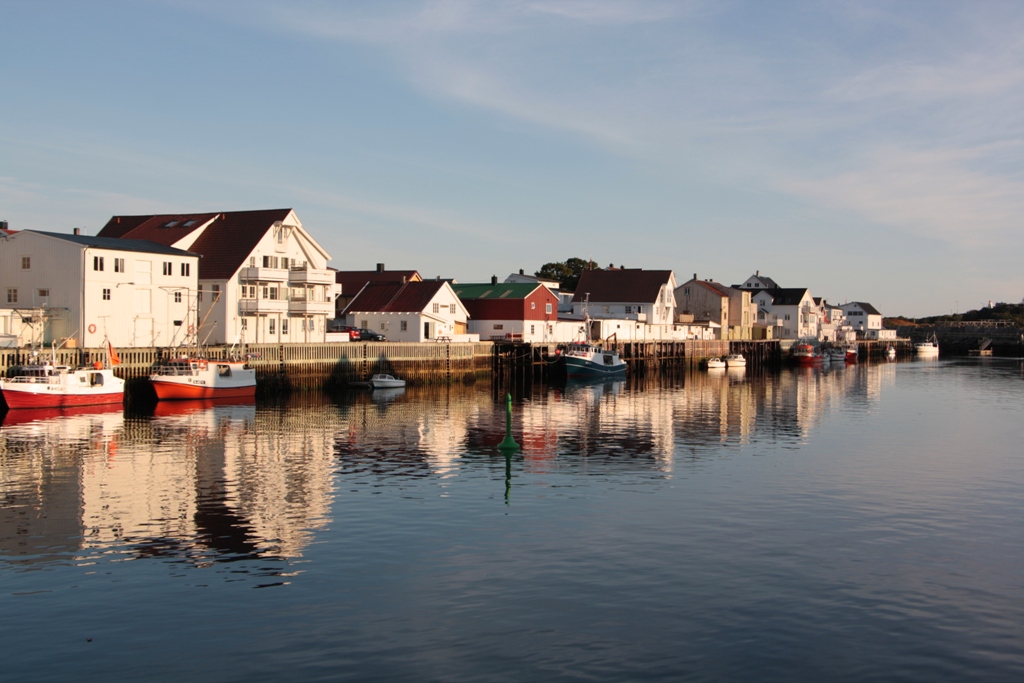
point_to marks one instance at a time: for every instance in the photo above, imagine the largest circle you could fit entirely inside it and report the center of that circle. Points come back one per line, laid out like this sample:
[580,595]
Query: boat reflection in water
[24,415]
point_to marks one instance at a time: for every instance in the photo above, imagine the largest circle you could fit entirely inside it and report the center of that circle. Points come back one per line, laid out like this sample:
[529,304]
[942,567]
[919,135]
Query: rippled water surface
[859,523]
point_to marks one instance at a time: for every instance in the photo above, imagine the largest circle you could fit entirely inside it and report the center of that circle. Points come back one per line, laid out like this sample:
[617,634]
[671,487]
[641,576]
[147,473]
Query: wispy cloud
[929,194]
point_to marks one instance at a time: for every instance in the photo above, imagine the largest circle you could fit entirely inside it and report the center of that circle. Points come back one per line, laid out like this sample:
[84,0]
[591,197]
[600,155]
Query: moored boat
[929,348]
[806,354]
[890,353]
[735,360]
[715,363]
[587,360]
[61,386]
[382,381]
[199,378]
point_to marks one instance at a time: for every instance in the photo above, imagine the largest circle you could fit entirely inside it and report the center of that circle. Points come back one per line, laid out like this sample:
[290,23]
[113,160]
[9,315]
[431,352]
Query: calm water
[861,523]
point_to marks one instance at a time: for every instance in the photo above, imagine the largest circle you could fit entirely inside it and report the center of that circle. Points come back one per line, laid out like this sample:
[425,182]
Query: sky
[869,151]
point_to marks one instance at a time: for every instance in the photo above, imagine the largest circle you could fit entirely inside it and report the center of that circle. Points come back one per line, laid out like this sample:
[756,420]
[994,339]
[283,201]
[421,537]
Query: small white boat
[837,354]
[735,360]
[715,363]
[929,348]
[382,381]
[890,352]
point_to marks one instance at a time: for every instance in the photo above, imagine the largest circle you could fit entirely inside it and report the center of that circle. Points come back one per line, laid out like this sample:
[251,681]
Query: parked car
[370,335]
[353,332]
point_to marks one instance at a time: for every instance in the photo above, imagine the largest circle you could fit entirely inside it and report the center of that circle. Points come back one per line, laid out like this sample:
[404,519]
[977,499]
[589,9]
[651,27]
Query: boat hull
[581,367]
[167,390]
[17,398]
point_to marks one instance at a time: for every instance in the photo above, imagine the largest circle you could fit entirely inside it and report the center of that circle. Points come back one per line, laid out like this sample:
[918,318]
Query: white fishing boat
[382,381]
[837,354]
[890,353]
[715,363]
[735,360]
[49,385]
[929,348]
[587,360]
[191,378]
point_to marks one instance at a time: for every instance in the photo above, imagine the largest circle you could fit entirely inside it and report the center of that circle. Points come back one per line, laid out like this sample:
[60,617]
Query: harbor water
[843,524]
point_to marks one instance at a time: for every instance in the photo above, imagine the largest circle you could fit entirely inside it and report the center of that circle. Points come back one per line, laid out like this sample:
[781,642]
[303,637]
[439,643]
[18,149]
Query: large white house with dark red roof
[262,277]
[630,303]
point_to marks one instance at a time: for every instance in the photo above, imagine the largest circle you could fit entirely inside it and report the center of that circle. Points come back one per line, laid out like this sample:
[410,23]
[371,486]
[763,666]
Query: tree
[566,272]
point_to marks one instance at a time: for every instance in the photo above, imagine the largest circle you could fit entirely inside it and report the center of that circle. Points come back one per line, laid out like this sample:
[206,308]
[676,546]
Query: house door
[460,328]
[426,330]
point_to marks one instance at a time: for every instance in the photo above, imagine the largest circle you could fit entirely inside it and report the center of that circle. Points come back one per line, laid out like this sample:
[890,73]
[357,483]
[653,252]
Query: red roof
[352,281]
[622,285]
[716,288]
[395,297]
[224,245]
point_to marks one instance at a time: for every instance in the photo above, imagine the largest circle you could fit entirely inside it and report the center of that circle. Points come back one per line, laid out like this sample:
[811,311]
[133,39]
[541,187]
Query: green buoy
[508,446]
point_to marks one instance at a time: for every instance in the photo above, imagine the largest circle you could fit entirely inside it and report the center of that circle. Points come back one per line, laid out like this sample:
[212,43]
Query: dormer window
[171,224]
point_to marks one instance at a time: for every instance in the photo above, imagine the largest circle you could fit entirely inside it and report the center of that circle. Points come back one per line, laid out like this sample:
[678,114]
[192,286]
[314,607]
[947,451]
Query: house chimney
[76,231]
[403,279]
[757,273]
[695,276]
[3,226]
[380,267]
[521,271]
[494,279]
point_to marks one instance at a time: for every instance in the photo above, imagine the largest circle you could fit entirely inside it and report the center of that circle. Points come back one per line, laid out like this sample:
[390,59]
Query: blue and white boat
[587,360]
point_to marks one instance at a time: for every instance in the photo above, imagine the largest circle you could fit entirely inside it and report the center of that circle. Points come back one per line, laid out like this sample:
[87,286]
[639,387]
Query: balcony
[310,276]
[262,306]
[257,274]
[303,307]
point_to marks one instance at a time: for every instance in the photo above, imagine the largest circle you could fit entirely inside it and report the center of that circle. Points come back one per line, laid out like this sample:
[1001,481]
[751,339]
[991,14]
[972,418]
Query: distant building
[643,300]
[262,277]
[708,301]
[790,311]
[79,290]
[866,321]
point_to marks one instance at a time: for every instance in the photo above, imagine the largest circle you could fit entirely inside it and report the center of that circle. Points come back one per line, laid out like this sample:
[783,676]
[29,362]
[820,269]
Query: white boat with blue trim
[587,360]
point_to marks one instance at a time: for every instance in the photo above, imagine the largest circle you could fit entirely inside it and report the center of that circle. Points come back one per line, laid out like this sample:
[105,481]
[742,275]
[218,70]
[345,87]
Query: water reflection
[207,482]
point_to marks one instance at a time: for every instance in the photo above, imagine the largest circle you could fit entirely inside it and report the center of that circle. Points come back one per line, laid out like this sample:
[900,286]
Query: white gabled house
[80,290]
[790,311]
[410,311]
[866,321]
[262,277]
[643,298]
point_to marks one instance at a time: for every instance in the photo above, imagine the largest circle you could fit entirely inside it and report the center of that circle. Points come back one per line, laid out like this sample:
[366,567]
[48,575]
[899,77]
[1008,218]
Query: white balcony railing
[303,307]
[257,274]
[262,306]
[310,276]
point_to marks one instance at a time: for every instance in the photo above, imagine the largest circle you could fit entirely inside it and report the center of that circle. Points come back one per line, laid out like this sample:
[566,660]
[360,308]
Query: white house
[410,311]
[262,277]
[791,311]
[866,320]
[644,297]
[80,290]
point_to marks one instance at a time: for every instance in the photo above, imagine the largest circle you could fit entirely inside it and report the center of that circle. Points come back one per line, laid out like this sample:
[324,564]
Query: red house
[509,310]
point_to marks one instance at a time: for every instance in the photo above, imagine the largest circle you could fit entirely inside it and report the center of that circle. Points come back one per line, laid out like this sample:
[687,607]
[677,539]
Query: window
[607,310]
[252,261]
[12,296]
[97,263]
[499,326]
[437,308]
[106,294]
[547,308]
[245,324]
[119,265]
[26,262]
[382,327]
[531,329]
[186,268]
[787,316]
[533,305]
[686,291]
[284,326]
[629,309]
[245,292]
[270,262]
[214,292]
[284,261]
[168,269]
[364,325]
[43,293]
[403,325]
[451,309]
[199,293]
[273,293]
[177,297]
[270,326]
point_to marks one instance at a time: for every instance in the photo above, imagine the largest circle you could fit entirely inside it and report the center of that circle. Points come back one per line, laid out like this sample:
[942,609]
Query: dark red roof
[624,285]
[352,281]
[224,245]
[719,289]
[395,297]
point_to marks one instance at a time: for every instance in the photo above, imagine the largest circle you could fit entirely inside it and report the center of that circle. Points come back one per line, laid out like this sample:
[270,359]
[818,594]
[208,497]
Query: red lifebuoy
[191,329]
[92,329]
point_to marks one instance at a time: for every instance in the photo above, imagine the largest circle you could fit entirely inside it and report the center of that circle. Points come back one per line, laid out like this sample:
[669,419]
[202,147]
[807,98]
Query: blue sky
[870,151]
